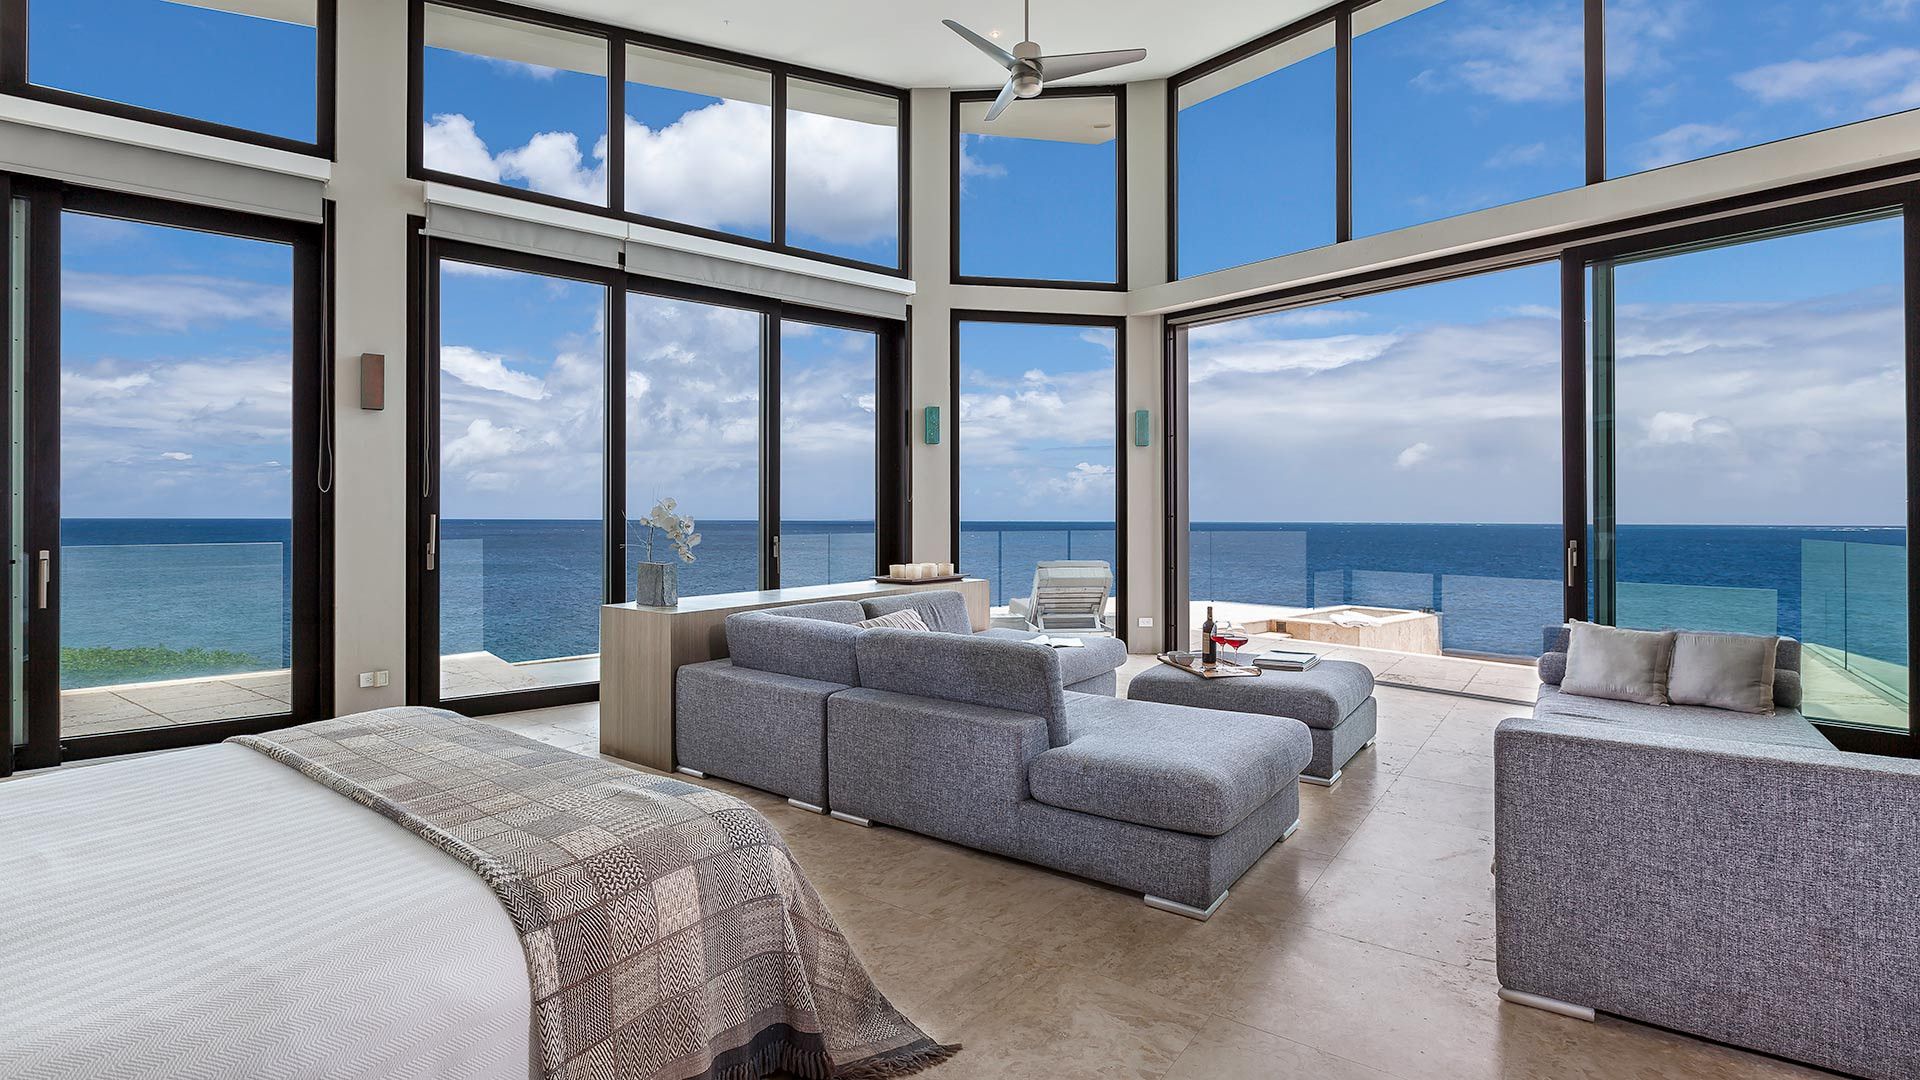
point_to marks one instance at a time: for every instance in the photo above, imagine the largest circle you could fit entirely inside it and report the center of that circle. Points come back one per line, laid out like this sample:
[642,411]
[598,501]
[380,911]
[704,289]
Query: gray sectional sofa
[992,741]
[1729,875]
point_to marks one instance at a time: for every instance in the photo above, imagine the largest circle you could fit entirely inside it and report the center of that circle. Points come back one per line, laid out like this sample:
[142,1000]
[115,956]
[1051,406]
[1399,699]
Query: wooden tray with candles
[889,579]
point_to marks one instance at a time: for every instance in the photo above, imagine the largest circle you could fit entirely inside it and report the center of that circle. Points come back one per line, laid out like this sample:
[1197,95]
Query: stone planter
[657,585]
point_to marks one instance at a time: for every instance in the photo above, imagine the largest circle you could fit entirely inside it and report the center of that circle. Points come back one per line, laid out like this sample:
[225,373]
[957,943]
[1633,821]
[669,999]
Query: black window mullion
[616,123]
[1573,433]
[770,447]
[13,45]
[780,158]
[614,452]
[1596,90]
[1343,124]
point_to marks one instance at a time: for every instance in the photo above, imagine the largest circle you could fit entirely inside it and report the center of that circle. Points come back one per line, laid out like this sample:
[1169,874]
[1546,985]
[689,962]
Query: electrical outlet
[366,680]
[1146,620]
[382,678]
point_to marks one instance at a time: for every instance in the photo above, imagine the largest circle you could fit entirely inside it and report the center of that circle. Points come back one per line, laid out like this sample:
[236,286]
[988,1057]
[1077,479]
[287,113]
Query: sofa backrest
[1786,665]
[944,610]
[792,642]
[1018,676]
[840,611]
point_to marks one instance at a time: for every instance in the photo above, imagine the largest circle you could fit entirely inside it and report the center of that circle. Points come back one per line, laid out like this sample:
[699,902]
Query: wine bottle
[1209,652]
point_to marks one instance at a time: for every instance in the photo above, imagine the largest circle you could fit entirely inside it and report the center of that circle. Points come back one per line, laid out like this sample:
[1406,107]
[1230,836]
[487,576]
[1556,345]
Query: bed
[344,900]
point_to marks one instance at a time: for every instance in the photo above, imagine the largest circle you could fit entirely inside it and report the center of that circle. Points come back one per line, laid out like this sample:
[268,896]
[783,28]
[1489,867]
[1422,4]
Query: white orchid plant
[662,521]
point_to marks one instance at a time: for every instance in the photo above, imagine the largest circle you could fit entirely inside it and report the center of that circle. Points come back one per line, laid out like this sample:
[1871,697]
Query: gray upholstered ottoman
[1334,699]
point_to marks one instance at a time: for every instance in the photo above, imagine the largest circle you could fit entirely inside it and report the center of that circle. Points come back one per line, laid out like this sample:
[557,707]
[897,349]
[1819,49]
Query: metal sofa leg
[849,818]
[807,806]
[1201,914]
[691,772]
[1291,829]
[1547,1004]
[1318,782]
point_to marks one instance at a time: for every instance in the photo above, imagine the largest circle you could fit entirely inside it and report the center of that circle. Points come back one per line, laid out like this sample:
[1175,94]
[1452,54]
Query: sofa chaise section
[974,740]
[759,717]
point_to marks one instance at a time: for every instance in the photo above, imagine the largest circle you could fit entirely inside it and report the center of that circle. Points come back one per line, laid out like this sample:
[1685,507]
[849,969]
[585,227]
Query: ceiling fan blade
[1067,65]
[1000,55]
[1000,103]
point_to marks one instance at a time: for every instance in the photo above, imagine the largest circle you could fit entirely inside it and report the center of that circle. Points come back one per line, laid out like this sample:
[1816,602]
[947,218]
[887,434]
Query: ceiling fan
[1027,70]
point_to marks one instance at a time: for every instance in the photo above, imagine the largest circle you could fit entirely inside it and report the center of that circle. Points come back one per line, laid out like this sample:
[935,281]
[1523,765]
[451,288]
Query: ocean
[191,597]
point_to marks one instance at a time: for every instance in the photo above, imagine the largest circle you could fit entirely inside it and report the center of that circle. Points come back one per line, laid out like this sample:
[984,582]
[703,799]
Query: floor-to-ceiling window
[1391,462]
[522,403]
[828,405]
[1038,188]
[1036,470]
[1751,443]
[694,435]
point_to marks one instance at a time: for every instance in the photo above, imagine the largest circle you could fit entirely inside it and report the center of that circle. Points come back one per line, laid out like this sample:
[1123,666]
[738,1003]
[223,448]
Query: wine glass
[1228,635]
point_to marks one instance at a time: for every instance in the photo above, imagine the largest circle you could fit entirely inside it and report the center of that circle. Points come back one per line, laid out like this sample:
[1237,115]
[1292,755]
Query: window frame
[15,71]
[1119,95]
[617,39]
[1722,221]
[892,441]
[1121,442]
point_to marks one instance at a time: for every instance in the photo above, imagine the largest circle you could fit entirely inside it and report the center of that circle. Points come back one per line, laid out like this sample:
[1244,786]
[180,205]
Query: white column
[1143,505]
[372,198]
[931,344]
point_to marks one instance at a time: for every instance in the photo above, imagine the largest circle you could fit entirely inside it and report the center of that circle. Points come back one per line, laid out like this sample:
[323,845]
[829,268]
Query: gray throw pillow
[904,619]
[1623,665]
[1723,671]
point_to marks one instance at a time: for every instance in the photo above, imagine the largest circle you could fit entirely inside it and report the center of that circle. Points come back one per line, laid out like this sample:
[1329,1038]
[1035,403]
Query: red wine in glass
[1233,637]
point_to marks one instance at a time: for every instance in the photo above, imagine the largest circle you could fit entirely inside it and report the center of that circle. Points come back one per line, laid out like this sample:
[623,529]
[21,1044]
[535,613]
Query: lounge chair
[1068,595]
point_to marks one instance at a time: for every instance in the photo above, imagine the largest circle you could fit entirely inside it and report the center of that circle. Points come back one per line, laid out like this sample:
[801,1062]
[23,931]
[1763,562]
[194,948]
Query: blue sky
[1464,105]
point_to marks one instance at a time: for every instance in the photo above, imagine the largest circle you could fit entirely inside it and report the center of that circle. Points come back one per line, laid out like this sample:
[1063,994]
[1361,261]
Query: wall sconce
[932,434]
[373,381]
[1142,427]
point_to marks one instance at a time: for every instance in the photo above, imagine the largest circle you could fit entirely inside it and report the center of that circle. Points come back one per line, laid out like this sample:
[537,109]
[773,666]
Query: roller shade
[99,162]
[594,248]
[499,221]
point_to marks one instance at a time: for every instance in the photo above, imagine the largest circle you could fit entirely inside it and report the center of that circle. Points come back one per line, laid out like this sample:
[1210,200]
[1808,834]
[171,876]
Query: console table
[641,648]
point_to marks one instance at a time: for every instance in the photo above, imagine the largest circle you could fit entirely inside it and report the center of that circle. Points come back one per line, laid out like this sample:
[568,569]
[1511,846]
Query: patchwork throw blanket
[668,932]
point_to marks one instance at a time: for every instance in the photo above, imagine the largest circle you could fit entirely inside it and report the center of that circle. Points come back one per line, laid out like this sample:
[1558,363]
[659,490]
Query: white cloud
[489,371]
[1889,77]
[176,302]
[712,168]
[1413,455]
[1667,428]
[1686,142]
[1508,157]
[537,72]
[177,455]
[1516,55]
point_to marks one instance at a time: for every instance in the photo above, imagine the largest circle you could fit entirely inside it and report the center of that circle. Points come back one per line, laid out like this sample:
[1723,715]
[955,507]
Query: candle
[946,569]
[897,570]
[925,570]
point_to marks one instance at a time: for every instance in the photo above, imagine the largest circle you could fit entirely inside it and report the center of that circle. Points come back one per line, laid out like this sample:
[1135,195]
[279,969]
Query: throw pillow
[1624,665]
[1723,671]
[904,619]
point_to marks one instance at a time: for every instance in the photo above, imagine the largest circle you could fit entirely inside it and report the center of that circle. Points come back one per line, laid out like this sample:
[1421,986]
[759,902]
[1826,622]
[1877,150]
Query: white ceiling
[901,42]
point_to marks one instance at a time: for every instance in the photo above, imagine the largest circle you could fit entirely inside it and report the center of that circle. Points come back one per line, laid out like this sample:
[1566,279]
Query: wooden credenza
[642,647]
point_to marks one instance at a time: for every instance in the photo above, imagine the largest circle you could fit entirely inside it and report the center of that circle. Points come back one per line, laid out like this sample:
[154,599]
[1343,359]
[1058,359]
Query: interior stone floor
[1362,947]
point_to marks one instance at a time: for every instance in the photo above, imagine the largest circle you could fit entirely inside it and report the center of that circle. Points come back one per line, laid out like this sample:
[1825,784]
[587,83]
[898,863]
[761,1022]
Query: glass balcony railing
[825,552]
[1006,553]
[140,613]
[1481,609]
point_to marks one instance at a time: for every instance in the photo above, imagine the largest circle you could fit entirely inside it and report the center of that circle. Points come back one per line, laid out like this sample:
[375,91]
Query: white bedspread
[210,913]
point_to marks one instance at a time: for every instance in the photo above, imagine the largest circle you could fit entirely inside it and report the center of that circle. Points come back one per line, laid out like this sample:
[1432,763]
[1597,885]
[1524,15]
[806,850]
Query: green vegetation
[103,666]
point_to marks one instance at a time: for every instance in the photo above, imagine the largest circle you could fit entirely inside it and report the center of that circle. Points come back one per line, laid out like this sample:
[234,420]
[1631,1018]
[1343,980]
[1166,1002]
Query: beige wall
[372,198]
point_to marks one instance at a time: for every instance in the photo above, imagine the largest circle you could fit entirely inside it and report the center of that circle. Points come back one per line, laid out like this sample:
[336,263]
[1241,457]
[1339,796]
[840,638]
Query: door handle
[1573,560]
[433,538]
[44,578]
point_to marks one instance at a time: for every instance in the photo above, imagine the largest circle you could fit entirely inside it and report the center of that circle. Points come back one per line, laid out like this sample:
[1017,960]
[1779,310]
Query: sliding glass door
[522,404]
[770,425]
[1037,472]
[167,466]
[1750,441]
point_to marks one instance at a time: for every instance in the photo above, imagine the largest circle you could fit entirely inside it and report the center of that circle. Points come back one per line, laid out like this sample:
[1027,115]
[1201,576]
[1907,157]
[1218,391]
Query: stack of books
[1286,660]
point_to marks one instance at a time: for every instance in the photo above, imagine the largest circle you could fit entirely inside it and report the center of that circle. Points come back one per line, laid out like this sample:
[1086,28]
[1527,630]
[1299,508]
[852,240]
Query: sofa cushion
[1723,671]
[1786,665]
[839,611]
[1622,665]
[1320,697]
[1016,676]
[944,610]
[1786,727]
[1172,767]
[805,647]
[904,619]
[1095,657]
